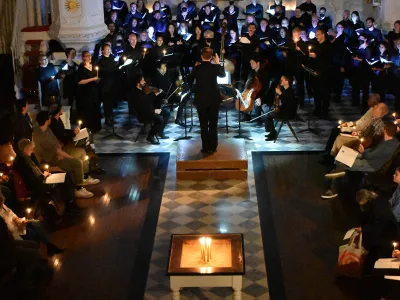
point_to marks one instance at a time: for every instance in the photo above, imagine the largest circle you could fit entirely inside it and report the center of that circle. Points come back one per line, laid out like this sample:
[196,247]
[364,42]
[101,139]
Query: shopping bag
[352,257]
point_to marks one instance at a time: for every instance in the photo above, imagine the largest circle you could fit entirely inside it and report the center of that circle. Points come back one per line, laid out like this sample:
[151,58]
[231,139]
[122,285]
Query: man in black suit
[207,97]
[148,109]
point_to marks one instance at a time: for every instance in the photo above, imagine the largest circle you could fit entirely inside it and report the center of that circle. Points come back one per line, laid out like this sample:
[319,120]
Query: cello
[246,103]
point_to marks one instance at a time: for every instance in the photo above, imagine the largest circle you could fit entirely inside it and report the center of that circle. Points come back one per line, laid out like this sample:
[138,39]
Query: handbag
[352,257]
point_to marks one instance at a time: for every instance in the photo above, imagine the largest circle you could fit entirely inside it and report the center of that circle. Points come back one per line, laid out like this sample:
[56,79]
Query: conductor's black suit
[207,100]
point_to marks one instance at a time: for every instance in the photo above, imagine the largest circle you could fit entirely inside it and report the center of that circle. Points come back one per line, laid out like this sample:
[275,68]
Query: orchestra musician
[147,103]
[287,108]
[207,97]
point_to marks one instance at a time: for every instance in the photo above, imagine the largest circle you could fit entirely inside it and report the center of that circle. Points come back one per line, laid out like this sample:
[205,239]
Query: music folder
[55,178]
[347,156]
[226,80]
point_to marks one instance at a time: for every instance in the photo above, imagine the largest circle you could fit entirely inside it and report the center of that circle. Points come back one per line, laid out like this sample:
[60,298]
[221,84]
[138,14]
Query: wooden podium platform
[229,162]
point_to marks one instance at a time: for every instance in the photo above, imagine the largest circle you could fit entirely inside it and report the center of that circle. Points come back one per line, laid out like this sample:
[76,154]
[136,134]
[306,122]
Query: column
[389,13]
[38,12]
[30,10]
[80,23]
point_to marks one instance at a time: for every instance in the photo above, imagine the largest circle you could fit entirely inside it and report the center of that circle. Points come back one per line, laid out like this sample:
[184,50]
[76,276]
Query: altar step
[229,162]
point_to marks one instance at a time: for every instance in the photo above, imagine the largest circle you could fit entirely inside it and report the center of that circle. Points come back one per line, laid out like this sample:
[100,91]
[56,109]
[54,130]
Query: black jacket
[23,128]
[206,89]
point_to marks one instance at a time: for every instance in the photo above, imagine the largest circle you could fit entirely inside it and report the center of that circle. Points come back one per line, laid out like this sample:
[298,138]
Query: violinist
[286,109]
[148,109]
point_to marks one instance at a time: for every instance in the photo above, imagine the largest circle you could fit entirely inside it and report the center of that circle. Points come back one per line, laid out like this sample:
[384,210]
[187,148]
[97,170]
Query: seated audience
[34,180]
[23,123]
[48,150]
[368,160]
[379,227]
[22,228]
[395,199]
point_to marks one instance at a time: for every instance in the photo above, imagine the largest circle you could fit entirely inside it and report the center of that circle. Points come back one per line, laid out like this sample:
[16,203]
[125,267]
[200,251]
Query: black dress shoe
[180,122]
[271,137]
[152,139]
[53,249]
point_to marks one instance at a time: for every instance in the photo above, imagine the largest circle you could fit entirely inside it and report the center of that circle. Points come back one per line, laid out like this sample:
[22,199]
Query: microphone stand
[240,135]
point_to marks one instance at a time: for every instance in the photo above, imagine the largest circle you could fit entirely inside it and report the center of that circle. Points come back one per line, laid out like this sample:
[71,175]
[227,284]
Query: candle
[79,123]
[208,242]
[394,115]
[202,249]
[11,158]
[86,157]
[340,122]
[28,210]
[309,50]
[1,174]
[97,69]
[164,51]
[395,246]
[124,58]
[354,127]
[362,140]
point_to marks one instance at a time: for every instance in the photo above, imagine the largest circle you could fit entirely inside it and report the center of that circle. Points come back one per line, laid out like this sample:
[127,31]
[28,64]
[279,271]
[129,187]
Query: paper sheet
[387,263]
[347,156]
[244,40]
[56,178]
[392,277]
[349,234]
[83,134]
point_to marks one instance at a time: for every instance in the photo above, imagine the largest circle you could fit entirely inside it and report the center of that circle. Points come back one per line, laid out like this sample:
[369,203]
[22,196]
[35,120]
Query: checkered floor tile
[208,206]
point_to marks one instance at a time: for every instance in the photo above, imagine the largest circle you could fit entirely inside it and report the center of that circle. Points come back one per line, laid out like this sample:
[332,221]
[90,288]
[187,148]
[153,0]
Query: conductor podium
[229,162]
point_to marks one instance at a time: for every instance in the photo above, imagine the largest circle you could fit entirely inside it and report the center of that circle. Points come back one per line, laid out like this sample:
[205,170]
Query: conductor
[207,97]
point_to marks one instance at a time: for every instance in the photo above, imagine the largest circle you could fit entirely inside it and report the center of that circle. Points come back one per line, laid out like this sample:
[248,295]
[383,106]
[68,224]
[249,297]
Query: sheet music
[346,156]
[371,63]
[385,61]
[83,134]
[244,40]
[387,263]
[397,278]
[56,178]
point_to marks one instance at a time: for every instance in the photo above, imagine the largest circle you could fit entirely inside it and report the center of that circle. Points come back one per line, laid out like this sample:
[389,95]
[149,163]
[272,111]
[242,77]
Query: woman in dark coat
[87,104]
[69,67]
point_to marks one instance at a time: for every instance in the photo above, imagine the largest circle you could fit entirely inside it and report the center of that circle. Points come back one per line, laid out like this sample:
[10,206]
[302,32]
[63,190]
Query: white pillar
[38,12]
[80,24]
[30,5]
[389,13]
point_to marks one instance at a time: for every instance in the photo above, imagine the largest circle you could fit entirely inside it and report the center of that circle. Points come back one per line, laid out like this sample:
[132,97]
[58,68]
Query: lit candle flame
[92,220]
[362,140]
[164,51]
[340,122]
[46,167]
[394,114]
[28,210]
[309,47]
[79,122]
[11,158]
[395,245]
[97,68]
[124,58]
[1,174]
[86,157]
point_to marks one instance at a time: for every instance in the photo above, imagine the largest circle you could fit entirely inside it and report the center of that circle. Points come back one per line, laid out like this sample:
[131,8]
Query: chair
[286,121]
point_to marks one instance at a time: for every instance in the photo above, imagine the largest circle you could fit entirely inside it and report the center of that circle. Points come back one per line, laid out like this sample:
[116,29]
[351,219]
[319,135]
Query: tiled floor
[208,206]
[285,142]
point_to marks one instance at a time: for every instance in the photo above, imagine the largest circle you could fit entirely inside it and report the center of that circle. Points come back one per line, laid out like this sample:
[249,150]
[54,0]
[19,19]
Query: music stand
[309,129]
[185,137]
[240,135]
[113,133]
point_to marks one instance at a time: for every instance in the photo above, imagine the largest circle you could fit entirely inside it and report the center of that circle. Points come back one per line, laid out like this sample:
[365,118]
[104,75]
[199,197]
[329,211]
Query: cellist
[259,73]
[285,106]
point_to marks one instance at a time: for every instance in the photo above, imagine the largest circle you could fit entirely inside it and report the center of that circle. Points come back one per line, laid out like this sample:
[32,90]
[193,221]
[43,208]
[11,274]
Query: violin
[148,89]
[252,88]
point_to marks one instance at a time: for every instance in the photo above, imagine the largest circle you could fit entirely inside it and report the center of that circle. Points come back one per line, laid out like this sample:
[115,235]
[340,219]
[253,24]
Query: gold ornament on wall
[72,5]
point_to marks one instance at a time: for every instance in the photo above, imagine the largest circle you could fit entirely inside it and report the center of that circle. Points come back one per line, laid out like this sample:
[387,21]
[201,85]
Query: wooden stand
[229,162]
